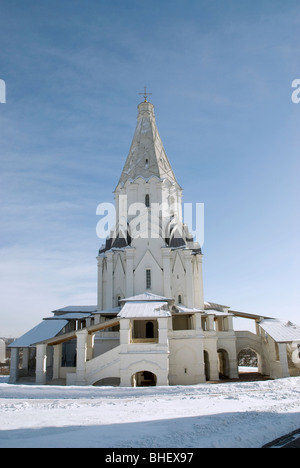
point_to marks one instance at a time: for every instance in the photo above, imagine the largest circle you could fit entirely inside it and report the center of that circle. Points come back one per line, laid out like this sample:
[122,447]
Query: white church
[152,324]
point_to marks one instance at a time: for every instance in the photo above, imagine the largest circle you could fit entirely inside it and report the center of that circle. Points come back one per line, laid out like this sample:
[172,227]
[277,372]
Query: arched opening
[223,364]
[248,361]
[147,200]
[149,330]
[206,365]
[144,379]
[109,381]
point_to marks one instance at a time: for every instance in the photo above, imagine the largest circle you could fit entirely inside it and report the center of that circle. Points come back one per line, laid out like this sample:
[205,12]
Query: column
[25,359]
[283,360]
[57,356]
[166,255]
[198,323]
[198,286]
[41,364]
[211,323]
[14,365]
[230,323]
[124,332]
[163,331]
[212,350]
[100,283]
[81,356]
[129,271]
[109,282]
[189,278]
[233,368]
[90,346]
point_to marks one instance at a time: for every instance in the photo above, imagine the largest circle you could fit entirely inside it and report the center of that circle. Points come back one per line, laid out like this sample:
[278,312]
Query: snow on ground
[248,414]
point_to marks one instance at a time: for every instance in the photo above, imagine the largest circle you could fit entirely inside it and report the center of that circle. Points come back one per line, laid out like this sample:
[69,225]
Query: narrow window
[147,200]
[149,330]
[179,299]
[148,279]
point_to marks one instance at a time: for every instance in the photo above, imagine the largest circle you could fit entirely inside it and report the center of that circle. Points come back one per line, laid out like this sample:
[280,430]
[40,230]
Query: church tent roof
[147,156]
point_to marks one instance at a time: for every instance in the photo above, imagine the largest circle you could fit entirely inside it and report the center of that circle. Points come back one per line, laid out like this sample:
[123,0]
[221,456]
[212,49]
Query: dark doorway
[149,330]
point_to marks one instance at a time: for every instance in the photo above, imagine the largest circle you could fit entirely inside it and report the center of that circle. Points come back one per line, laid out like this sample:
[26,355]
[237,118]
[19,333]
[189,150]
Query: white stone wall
[2,352]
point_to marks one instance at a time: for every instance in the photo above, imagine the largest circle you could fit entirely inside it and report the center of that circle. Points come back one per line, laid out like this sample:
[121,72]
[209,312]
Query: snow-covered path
[223,415]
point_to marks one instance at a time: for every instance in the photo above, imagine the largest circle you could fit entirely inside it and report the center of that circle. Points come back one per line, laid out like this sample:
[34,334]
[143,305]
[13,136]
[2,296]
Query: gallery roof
[281,332]
[141,309]
[45,330]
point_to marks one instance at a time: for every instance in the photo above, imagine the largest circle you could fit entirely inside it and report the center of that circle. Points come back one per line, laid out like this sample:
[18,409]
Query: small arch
[206,365]
[149,330]
[144,379]
[248,361]
[223,364]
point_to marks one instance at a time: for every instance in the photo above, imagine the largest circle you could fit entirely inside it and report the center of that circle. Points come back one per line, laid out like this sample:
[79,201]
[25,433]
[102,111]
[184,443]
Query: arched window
[147,200]
[149,330]
[179,299]
[148,279]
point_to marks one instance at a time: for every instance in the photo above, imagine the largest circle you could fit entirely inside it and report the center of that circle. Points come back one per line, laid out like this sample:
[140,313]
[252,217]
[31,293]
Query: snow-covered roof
[217,313]
[186,310]
[84,309]
[215,306]
[141,309]
[145,297]
[281,332]
[70,316]
[45,330]
[113,311]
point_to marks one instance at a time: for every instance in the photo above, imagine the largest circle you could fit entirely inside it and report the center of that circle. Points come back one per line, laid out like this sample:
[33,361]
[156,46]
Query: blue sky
[220,73]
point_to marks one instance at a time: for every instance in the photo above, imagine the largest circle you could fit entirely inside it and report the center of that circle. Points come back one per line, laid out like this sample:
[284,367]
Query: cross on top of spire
[145,94]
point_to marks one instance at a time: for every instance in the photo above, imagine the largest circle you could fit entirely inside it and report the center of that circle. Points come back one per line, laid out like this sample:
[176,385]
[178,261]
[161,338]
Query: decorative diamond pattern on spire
[147,156]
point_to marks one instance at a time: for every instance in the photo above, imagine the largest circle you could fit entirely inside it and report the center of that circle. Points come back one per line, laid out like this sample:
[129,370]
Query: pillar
[81,356]
[90,346]
[109,280]
[41,364]
[198,286]
[189,278]
[25,360]
[124,332]
[230,322]
[57,357]
[163,329]
[14,365]
[166,255]
[129,271]
[283,360]
[100,283]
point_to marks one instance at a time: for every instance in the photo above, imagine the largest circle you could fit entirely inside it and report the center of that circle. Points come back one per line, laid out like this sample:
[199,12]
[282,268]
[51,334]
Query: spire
[147,156]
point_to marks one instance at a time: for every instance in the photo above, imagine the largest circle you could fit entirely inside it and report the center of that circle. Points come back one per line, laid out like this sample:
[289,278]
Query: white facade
[2,352]
[151,324]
